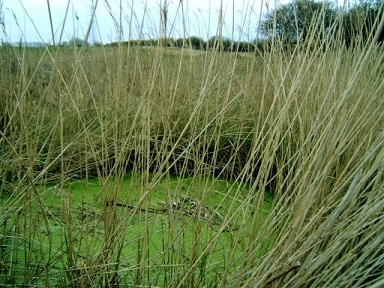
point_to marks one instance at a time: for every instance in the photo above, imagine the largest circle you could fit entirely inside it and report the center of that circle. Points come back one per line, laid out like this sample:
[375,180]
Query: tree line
[295,23]
[290,24]
[196,43]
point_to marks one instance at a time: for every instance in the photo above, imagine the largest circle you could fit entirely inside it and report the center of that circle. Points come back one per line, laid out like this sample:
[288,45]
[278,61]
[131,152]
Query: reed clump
[277,158]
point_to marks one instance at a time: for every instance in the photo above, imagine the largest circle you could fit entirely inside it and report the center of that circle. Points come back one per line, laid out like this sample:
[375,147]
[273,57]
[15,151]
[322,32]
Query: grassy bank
[167,167]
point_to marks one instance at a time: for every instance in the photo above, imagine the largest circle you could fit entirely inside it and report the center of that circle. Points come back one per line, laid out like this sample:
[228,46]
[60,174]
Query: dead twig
[283,271]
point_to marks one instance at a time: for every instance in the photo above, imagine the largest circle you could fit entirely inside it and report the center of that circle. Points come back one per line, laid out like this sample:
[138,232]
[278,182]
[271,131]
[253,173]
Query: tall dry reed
[304,125]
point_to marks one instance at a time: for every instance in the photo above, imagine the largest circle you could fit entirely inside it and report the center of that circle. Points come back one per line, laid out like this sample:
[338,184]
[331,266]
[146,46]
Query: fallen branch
[284,270]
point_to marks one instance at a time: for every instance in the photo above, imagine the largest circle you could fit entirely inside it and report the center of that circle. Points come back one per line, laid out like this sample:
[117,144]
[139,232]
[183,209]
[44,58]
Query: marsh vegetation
[159,167]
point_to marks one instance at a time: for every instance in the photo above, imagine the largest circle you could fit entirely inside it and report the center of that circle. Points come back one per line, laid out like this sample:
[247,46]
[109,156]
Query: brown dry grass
[305,125]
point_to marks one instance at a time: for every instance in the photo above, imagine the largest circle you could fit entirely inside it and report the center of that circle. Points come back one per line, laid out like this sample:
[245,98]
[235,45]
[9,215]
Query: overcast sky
[28,20]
